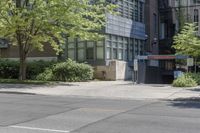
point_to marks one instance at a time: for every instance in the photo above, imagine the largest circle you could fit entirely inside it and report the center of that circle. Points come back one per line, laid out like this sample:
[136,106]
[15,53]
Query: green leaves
[187,42]
[32,23]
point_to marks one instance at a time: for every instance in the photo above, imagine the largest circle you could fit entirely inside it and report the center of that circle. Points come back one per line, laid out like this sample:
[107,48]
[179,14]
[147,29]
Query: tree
[31,24]
[187,42]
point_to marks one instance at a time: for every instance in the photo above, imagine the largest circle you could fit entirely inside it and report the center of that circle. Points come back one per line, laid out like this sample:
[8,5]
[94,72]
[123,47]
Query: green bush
[46,75]
[72,71]
[34,68]
[195,76]
[9,69]
[68,71]
[185,81]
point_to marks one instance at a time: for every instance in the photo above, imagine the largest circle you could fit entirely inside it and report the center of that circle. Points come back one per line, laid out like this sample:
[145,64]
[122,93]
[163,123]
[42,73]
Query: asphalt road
[47,114]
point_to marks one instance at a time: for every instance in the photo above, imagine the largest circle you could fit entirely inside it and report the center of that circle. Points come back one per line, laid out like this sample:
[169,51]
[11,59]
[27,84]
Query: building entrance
[152,71]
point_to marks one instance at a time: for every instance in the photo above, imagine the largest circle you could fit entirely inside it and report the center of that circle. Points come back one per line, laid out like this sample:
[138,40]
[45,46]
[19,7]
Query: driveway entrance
[156,68]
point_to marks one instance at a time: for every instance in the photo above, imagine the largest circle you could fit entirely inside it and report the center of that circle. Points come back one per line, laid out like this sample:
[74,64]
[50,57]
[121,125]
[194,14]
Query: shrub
[195,76]
[185,81]
[9,69]
[46,75]
[72,71]
[34,68]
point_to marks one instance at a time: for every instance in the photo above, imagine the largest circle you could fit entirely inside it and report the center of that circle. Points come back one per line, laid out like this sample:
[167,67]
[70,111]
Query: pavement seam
[93,123]
[168,97]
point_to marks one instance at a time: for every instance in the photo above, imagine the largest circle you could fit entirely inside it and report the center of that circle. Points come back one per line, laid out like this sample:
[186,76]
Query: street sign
[181,56]
[161,57]
[135,64]
[141,57]
[190,62]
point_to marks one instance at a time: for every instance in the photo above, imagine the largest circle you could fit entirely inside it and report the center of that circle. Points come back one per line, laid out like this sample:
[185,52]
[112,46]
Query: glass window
[100,50]
[108,49]
[114,44]
[141,47]
[114,38]
[71,50]
[90,44]
[114,53]
[71,54]
[120,39]
[141,12]
[120,45]
[81,54]
[125,51]
[71,45]
[136,10]
[81,44]
[131,50]
[90,51]
[196,17]
[120,54]
[71,40]
[100,43]
[108,44]
[155,24]
[100,53]
[136,47]
[81,51]
[108,53]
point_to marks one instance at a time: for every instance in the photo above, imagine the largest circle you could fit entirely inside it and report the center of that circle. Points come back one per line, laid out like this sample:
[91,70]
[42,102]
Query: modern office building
[125,38]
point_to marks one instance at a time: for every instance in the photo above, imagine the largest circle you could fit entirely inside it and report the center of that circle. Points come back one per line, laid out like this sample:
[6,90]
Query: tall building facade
[125,38]
[152,29]
[173,14]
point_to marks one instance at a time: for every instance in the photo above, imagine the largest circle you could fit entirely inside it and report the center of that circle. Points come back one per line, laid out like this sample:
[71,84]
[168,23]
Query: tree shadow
[192,102]
[31,86]
[195,89]
[19,86]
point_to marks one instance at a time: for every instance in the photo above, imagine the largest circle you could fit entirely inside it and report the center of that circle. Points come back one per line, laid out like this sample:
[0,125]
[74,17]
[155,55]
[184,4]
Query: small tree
[31,24]
[187,42]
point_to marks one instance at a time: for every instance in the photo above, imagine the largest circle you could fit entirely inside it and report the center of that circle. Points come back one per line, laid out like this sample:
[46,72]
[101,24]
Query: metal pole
[187,11]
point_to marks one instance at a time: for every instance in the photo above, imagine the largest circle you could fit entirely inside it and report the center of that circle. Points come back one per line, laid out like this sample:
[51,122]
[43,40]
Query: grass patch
[33,82]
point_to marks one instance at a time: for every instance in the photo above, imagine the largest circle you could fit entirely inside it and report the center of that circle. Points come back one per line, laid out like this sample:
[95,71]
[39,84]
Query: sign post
[190,63]
[135,64]
[135,71]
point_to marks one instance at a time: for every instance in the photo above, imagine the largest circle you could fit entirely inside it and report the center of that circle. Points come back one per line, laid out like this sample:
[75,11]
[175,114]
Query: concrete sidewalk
[105,89]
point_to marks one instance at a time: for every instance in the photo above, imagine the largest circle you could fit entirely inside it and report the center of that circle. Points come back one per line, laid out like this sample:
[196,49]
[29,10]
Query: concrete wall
[115,70]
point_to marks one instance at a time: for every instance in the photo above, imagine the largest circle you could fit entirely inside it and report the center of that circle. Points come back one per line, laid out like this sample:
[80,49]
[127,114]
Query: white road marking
[40,129]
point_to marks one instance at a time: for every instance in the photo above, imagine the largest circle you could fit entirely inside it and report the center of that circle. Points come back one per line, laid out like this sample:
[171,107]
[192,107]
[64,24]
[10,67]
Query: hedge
[68,71]
[9,69]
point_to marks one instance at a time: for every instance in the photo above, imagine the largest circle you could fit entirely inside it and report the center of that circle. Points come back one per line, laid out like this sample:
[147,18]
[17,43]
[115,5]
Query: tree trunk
[22,67]
[22,70]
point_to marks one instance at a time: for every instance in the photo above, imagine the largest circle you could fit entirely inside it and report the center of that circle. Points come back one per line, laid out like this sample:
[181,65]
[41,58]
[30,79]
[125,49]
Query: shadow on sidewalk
[29,86]
[196,89]
[192,102]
